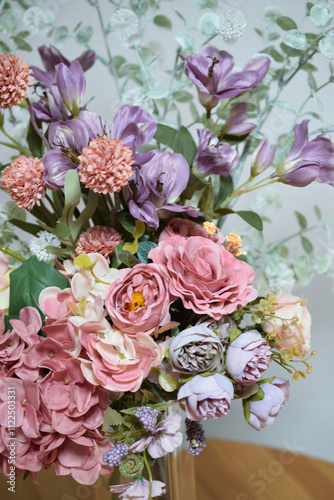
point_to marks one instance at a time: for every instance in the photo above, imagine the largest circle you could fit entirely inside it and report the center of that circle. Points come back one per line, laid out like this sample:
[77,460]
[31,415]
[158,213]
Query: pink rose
[208,278]
[298,334]
[138,301]
[264,412]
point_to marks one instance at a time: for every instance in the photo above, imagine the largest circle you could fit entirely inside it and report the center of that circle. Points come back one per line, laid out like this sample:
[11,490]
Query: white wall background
[306,421]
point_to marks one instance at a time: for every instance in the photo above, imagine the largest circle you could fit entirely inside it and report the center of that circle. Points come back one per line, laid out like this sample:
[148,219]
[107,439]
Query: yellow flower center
[210,228]
[137,301]
[233,244]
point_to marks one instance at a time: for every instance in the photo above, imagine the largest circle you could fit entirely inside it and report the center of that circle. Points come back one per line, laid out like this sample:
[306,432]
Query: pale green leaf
[162,21]
[295,39]
[321,15]
[326,46]
[207,23]
[168,383]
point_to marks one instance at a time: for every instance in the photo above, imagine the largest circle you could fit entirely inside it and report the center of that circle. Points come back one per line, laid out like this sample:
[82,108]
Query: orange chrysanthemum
[23,180]
[99,239]
[14,80]
[105,165]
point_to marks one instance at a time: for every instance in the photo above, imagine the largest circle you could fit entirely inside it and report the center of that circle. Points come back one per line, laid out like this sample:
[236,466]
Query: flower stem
[15,144]
[149,474]
[38,131]
[12,254]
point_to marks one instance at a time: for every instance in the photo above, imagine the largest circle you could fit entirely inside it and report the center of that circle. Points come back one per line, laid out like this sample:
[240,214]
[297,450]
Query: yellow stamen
[233,244]
[210,228]
[137,301]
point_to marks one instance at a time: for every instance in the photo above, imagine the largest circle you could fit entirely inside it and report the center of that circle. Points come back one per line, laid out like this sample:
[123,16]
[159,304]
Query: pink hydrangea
[208,279]
[138,301]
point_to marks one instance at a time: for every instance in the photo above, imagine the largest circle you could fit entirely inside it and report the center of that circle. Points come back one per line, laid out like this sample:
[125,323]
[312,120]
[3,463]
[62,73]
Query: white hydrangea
[136,97]
[231,25]
[38,20]
[279,277]
[123,24]
[10,210]
[39,246]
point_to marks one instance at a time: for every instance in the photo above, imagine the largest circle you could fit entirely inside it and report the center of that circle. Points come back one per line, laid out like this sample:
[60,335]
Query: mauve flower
[24,181]
[71,84]
[105,165]
[297,334]
[98,239]
[214,157]
[14,80]
[52,57]
[187,228]
[164,439]
[206,397]
[139,300]
[208,279]
[139,490]
[248,357]
[134,126]
[308,161]
[196,350]
[234,124]
[264,412]
[211,71]
[263,157]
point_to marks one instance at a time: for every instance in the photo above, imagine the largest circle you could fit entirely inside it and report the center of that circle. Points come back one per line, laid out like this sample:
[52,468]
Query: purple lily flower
[235,125]
[308,161]
[262,158]
[156,185]
[71,83]
[68,140]
[51,57]
[211,69]
[214,157]
[134,126]
[51,108]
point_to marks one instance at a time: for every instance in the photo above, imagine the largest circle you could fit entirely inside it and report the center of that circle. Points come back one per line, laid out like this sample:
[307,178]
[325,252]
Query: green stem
[149,474]
[221,114]
[12,254]
[38,131]
[15,144]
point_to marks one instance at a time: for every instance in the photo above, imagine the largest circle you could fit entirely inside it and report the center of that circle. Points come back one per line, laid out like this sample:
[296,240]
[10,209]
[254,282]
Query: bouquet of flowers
[130,305]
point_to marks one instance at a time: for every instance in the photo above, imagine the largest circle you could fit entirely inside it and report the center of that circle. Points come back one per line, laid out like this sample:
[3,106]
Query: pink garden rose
[298,334]
[206,397]
[138,301]
[248,357]
[208,278]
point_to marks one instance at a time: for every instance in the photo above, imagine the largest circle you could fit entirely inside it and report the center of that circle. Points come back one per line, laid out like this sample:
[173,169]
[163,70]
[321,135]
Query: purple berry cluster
[114,456]
[195,436]
[148,417]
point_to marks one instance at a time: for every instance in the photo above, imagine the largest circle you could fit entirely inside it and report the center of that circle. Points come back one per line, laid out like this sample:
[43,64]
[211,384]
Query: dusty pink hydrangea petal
[105,165]
[23,180]
[14,80]
[99,239]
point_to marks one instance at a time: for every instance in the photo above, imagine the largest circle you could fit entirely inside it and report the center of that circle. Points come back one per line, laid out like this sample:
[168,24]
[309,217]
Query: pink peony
[14,80]
[117,362]
[248,357]
[138,301]
[298,333]
[208,279]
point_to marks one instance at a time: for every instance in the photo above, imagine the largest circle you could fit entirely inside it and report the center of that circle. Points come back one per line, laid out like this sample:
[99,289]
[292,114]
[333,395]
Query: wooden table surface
[226,470]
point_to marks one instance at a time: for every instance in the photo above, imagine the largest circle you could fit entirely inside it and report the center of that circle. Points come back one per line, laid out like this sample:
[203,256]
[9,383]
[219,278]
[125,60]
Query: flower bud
[72,85]
[262,158]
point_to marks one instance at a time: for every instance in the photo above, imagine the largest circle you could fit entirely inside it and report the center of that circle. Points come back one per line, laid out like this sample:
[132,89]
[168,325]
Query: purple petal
[260,65]
[303,174]
[77,72]
[301,140]
[145,212]
[87,59]
[237,83]
[145,122]
[56,165]
[71,134]
[96,127]
[170,209]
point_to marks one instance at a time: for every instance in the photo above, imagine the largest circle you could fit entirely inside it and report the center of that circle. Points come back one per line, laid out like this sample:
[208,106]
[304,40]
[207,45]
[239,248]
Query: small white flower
[38,20]
[39,246]
[10,210]
[136,97]
[123,24]
[231,25]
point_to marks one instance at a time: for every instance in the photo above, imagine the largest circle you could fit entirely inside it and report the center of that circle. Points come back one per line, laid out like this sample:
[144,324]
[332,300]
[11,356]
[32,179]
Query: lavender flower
[262,158]
[264,412]
[164,439]
[148,417]
[211,69]
[71,84]
[234,124]
[214,157]
[196,437]
[114,456]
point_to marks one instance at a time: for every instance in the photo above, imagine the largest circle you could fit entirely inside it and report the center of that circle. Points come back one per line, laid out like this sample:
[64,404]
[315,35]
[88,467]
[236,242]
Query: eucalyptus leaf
[311,82]
[61,35]
[127,258]
[8,20]
[185,40]
[286,23]
[295,39]
[326,46]
[162,21]
[317,212]
[207,4]
[301,220]
[285,105]
[178,13]
[307,245]
[273,52]
[266,380]
[127,68]
[252,218]
[21,43]
[126,220]
[62,231]
[321,15]
[84,35]
[207,23]
[183,96]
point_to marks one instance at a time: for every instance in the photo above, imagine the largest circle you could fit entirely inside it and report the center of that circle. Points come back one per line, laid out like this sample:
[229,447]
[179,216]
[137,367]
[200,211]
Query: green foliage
[163,22]
[307,245]
[286,23]
[35,143]
[185,144]
[127,258]
[326,46]
[84,35]
[61,35]
[234,334]
[301,220]
[126,220]
[166,135]
[185,40]
[206,201]
[295,39]
[246,407]
[252,218]
[321,15]
[144,248]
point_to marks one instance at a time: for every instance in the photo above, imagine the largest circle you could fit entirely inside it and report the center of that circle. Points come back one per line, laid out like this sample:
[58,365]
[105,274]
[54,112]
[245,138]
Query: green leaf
[273,36]
[206,201]
[61,34]
[118,61]
[206,23]
[326,46]
[277,56]
[127,221]
[285,105]
[84,35]
[185,144]
[29,280]
[225,190]
[168,383]
[258,32]
[295,39]
[127,68]
[144,248]
[321,15]
[178,13]
[311,81]
[26,226]
[265,380]
[258,396]
[162,21]
[111,417]
[4,47]
[194,184]
[309,6]
[34,141]
[286,23]
[207,4]
[234,334]
[62,231]
[246,407]
[185,40]
[182,96]
[21,43]
[115,260]
[252,218]
[127,258]
[290,51]
[307,245]
[166,135]
[317,212]
[301,220]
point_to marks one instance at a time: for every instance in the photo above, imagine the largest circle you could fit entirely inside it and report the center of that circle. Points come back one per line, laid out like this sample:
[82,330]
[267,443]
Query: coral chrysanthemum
[14,80]
[105,165]
[99,239]
[23,180]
